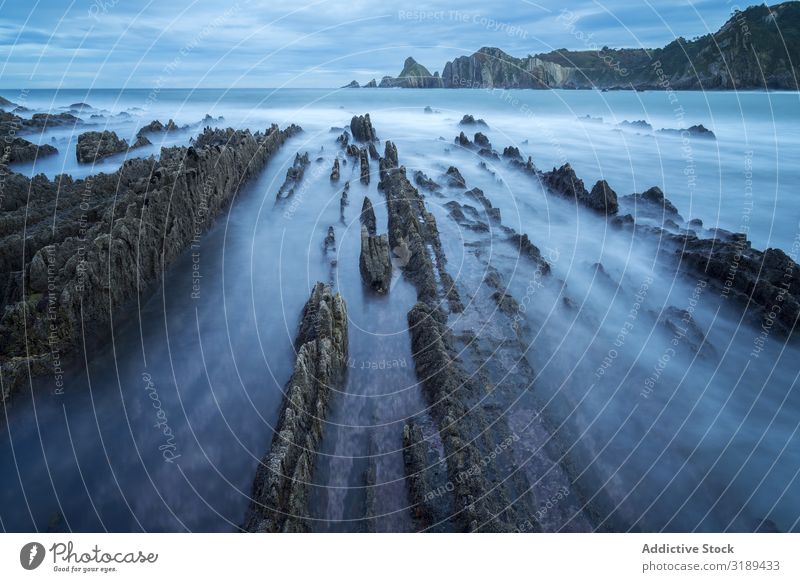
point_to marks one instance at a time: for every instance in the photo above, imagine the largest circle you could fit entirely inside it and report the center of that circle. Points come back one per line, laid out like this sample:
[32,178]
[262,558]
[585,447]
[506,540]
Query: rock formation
[361,128]
[368,217]
[413,76]
[335,171]
[112,237]
[294,176]
[375,263]
[96,145]
[281,485]
[364,159]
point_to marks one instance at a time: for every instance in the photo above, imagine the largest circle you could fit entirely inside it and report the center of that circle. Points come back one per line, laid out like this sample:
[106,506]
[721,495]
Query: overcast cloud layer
[301,43]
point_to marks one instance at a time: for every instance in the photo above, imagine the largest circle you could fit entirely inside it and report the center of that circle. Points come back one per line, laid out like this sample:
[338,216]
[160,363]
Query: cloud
[113,43]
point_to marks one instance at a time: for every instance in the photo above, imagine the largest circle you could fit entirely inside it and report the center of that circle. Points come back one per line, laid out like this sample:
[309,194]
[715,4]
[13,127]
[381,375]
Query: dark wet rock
[351,85]
[364,158]
[96,145]
[329,245]
[564,181]
[294,176]
[494,279]
[79,106]
[428,109]
[353,151]
[124,227]
[335,171]
[767,282]
[622,221]
[482,141]
[423,181]
[470,120]
[653,204]
[478,195]
[154,126]
[368,217]
[281,486]
[693,131]
[390,153]
[42,120]
[361,128]
[21,150]
[639,124]
[525,166]
[512,152]
[685,330]
[344,201]
[375,264]
[463,141]
[372,84]
[476,504]
[6,104]
[412,232]
[454,178]
[506,303]
[373,151]
[343,139]
[388,163]
[140,142]
[426,472]
[602,198]
[531,251]
[696,223]
[488,153]
[471,222]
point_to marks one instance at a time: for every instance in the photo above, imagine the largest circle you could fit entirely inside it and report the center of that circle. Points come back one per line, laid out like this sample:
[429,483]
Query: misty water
[653,435]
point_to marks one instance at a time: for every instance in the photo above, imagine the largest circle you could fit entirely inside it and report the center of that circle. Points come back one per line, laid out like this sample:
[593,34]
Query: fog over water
[654,425]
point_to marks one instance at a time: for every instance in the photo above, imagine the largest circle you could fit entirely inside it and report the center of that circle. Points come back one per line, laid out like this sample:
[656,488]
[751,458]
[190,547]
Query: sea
[161,425]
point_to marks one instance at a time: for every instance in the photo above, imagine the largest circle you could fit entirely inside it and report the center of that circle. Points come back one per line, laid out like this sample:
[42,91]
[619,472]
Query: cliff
[757,48]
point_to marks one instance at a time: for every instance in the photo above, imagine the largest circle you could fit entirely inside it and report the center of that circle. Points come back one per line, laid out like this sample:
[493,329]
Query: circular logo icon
[31,555]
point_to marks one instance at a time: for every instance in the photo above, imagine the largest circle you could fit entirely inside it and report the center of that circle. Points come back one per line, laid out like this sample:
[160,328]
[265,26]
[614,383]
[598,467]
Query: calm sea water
[713,447]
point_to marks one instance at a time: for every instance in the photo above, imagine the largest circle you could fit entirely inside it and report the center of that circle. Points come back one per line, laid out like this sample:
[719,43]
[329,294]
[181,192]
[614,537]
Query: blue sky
[307,43]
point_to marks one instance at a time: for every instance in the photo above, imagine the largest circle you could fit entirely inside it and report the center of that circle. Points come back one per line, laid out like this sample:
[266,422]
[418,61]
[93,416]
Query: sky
[309,43]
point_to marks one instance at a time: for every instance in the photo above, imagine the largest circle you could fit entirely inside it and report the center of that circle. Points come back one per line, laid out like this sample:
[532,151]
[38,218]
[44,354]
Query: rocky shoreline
[110,237]
[285,475]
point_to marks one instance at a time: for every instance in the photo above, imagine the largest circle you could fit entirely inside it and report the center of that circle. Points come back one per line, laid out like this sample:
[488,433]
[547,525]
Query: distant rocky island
[757,48]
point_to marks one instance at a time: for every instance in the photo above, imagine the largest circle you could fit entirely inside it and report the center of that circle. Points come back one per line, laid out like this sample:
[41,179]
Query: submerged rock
[528,249]
[281,487]
[294,176]
[454,178]
[693,131]
[423,181]
[335,171]
[470,120]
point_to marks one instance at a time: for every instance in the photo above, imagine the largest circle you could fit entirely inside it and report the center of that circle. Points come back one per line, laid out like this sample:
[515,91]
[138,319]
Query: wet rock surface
[368,217]
[361,128]
[96,145]
[375,263]
[113,236]
[282,482]
[294,176]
